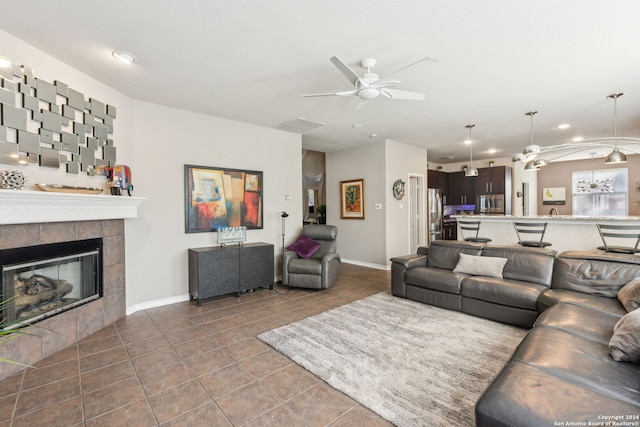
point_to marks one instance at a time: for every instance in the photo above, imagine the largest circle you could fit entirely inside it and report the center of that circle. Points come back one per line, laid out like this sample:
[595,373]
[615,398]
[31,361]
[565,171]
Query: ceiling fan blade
[344,69]
[402,94]
[379,84]
[407,66]
[353,92]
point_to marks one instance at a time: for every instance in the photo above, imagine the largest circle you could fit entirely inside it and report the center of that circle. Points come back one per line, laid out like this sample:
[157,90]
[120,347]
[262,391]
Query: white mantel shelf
[24,207]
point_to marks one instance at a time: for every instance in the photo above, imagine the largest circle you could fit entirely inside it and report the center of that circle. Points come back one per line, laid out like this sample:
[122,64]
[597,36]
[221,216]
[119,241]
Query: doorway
[416,212]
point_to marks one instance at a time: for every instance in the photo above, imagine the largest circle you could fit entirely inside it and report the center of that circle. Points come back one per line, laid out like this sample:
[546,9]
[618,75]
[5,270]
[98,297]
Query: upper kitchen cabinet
[495,180]
[462,189]
[437,179]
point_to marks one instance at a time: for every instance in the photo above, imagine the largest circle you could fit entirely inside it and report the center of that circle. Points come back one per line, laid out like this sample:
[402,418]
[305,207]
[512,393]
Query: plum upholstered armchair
[320,270]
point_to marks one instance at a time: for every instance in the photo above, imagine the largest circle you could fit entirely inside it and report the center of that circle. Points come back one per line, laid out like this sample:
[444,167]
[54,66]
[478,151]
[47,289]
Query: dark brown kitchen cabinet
[450,230]
[462,189]
[437,179]
[495,180]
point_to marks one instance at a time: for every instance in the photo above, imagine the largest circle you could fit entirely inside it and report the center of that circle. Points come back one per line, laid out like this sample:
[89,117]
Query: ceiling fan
[369,86]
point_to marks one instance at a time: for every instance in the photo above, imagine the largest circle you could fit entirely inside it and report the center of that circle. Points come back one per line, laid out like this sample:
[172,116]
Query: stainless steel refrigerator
[434,214]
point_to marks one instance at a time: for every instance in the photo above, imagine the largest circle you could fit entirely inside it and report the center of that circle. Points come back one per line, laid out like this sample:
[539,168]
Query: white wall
[49,69]
[401,161]
[166,139]
[156,142]
[359,241]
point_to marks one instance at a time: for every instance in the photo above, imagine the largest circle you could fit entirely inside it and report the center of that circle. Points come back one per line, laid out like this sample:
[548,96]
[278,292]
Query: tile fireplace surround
[30,218]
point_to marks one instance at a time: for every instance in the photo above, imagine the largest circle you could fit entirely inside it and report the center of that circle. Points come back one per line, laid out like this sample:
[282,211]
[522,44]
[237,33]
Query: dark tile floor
[184,365]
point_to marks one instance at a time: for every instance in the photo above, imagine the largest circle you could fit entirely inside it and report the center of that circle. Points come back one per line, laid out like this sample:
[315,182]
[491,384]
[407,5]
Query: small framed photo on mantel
[352,199]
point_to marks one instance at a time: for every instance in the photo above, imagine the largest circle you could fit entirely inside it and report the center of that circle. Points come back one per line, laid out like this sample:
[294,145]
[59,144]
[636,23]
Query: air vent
[447,158]
[299,125]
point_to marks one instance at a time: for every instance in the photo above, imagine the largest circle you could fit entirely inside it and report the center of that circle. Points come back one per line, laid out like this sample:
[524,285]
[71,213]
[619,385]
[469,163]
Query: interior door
[416,207]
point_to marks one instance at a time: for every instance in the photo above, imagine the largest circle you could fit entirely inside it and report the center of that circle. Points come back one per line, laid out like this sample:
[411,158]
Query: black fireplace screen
[40,281]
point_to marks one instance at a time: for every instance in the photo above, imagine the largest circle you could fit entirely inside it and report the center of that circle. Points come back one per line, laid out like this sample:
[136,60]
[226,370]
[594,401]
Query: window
[600,192]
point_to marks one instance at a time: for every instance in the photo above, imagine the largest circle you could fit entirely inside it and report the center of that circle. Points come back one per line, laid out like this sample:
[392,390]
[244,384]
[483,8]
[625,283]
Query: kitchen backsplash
[456,209]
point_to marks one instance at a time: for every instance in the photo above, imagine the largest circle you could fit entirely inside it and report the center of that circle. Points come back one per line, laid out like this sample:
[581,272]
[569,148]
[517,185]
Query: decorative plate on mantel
[68,189]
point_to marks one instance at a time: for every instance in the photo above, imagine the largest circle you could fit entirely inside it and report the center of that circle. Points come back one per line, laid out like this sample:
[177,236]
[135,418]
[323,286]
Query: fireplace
[38,282]
[37,218]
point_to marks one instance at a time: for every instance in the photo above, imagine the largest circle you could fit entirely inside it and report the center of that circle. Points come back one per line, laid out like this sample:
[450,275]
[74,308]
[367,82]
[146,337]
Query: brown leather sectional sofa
[562,373]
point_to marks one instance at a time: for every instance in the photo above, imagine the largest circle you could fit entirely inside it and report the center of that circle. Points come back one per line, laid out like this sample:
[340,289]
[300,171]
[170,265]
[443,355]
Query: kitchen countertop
[564,232]
[550,217]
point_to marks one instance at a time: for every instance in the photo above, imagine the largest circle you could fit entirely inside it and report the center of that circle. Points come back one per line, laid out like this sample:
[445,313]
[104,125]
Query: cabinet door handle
[486,187]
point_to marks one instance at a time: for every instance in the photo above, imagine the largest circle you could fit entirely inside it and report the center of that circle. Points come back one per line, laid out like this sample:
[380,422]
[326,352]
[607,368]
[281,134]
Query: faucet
[553,212]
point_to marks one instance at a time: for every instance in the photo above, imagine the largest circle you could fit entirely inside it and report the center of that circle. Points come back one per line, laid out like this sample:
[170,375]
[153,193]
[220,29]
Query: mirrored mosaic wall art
[52,125]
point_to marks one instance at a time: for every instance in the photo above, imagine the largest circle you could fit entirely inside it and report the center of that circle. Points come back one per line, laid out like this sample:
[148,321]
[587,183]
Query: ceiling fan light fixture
[368,93]
[616,156]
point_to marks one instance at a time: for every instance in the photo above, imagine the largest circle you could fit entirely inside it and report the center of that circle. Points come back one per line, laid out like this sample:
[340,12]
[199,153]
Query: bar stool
[619,232]
[531,228]
[472,226]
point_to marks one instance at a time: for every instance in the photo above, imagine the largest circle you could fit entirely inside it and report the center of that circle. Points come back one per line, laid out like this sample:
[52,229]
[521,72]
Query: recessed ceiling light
[564,126]
[5,62]
[492,151]
[467,142]
[577,138]
[126,57]
[357,125]
[373,135]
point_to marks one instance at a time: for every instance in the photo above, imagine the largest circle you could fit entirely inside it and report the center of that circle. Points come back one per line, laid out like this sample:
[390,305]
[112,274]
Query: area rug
[411,363]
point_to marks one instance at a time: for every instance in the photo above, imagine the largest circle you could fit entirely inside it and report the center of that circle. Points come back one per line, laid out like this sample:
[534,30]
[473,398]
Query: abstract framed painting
[221,197]
[352,199]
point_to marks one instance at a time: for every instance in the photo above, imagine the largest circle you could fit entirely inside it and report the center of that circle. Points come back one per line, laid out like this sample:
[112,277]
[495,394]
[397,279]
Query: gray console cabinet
[215,270]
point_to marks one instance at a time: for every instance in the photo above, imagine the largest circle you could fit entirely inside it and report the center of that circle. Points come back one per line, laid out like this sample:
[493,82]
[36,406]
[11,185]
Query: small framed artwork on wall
[352,199]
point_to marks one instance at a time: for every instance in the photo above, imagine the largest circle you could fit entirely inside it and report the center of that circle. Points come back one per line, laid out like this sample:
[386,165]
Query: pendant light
[616,156]
[531,148]
[471,171]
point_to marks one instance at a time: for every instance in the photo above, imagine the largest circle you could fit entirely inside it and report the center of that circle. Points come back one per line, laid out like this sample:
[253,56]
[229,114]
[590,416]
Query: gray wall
[359,240]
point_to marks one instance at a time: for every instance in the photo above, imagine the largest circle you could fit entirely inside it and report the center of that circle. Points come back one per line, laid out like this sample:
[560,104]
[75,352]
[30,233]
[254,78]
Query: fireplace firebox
[44,280]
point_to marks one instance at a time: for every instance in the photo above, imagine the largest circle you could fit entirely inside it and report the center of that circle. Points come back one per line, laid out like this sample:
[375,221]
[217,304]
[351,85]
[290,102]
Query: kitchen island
[564,232]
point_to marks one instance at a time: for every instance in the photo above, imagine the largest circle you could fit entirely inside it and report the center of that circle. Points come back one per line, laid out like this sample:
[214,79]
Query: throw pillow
[629,294]
[304,246]
[480,265]
[624,345]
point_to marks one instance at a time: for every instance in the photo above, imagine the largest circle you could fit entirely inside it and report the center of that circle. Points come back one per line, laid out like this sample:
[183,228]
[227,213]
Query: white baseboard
[157,303]
[367,264]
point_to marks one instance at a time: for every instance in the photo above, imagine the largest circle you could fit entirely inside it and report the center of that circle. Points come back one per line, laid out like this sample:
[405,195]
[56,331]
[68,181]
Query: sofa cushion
[305,266]
[304,246]
[480,265]
[527,264]
[629,294]
[580,361]
[551,297]
[595,325]
[444,253]
[512,293]
[625,342]
[525,395]
[594,273]
[435,279]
